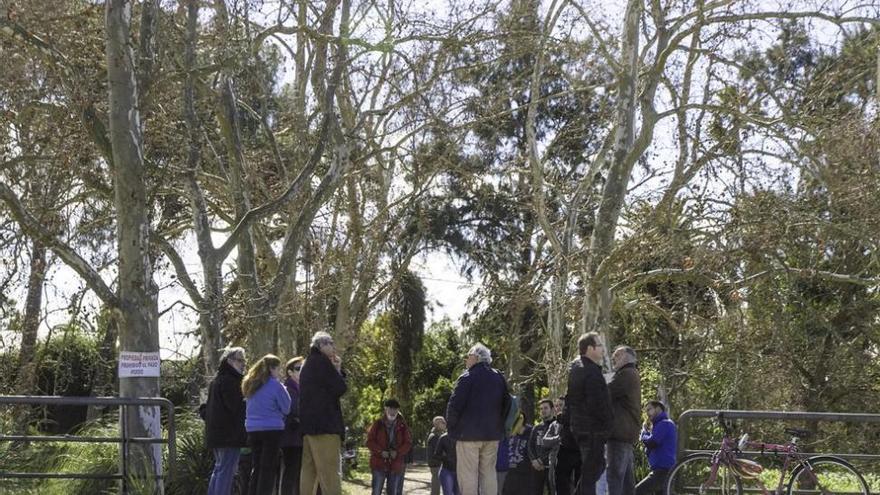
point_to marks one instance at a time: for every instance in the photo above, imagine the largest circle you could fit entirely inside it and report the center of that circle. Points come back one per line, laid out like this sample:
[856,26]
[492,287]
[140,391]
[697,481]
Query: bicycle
[724,471]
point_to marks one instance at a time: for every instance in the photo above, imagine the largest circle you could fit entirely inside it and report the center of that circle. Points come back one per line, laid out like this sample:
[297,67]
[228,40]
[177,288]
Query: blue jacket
[477,406]
[661,442]
[267,408]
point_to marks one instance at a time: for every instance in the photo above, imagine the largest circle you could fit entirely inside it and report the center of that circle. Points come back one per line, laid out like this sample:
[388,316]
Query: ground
[416,482]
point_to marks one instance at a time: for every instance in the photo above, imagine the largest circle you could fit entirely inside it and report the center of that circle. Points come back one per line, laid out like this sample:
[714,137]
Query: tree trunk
[27,372]
[597,299]
[138,308]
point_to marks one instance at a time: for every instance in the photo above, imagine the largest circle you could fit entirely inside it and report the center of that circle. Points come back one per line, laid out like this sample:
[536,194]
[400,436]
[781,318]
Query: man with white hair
[626,400]
[322,383]
[475,418]
[224,418]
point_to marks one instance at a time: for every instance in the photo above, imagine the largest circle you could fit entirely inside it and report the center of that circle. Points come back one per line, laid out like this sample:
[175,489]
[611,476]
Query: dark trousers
[592,463]
[292,457]
[568,470]
[541,482]
[264,449]
[655,482]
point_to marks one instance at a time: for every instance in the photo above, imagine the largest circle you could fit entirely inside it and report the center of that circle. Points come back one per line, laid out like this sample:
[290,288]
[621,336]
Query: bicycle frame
[791,458]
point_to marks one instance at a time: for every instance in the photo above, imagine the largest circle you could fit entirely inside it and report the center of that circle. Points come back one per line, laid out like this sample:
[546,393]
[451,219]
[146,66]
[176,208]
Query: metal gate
[124,439]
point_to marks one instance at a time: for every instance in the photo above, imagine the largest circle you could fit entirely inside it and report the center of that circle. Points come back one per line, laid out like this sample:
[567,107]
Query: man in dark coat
[224,417]
[589,410]
[565,458]
[539,452]
[475,417]
[322,383]
[434,462]
[626,399]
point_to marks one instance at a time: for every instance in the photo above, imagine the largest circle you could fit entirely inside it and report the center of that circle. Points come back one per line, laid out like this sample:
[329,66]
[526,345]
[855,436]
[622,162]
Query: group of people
[585,437]
[290,417]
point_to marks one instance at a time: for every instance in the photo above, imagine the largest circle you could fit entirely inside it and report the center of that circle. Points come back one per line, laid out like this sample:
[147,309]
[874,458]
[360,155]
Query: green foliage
[181,380]
[194,462]
[432,378]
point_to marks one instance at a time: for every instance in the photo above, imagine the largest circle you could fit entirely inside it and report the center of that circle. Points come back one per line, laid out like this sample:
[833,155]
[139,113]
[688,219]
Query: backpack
[511,414]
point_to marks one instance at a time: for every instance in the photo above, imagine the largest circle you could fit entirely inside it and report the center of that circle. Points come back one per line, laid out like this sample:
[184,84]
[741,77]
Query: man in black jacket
[589,410]
[539,452]
[322,383]
[224,420]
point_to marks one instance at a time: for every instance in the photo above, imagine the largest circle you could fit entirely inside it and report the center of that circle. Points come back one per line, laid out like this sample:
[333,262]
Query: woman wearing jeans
[267,405]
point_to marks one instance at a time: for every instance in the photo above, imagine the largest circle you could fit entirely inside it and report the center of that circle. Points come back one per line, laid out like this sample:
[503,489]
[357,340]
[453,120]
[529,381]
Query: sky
[447,290]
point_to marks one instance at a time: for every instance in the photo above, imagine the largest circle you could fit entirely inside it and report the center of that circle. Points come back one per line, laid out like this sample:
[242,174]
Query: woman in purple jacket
[292,440]
[267,405]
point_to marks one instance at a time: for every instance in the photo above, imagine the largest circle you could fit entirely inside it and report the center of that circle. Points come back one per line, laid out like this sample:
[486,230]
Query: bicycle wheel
[823,475]
[691,476]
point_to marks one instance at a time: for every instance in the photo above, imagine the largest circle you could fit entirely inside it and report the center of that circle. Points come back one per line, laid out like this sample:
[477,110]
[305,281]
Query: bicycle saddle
[796,432]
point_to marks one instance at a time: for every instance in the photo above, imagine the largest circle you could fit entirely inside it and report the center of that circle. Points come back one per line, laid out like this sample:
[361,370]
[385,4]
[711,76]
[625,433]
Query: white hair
[321,338]
[484,355]
[629,354]
[229,352]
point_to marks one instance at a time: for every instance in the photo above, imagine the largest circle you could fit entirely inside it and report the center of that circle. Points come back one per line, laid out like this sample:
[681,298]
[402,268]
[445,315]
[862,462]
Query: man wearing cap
[389,440]
[475,418]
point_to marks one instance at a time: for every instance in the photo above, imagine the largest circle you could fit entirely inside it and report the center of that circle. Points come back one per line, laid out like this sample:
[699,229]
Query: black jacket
[587,402]
[225,410]
[445,452]
[431,448]
[320,387]
[537,449]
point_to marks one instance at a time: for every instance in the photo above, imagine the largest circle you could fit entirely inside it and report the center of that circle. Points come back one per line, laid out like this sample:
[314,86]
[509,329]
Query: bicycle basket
[746,469]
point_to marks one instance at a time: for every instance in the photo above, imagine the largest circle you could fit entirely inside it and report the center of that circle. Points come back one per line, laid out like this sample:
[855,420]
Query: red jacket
[377,442]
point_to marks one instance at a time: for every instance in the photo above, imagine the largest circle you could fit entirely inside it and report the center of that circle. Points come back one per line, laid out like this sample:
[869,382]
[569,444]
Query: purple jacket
[292,436]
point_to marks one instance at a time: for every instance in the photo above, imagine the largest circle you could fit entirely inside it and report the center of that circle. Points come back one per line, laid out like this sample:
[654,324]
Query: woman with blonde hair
[268,403]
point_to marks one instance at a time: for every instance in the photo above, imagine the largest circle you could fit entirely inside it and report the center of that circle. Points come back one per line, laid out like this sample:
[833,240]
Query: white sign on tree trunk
[138,364]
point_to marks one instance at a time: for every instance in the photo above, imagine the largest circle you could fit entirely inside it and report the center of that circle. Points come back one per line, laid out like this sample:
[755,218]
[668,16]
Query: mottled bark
[138,292]
[597,299]
[31,322]
[210,304]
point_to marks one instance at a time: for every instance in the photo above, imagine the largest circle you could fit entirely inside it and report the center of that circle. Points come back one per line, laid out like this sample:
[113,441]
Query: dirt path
[417,481]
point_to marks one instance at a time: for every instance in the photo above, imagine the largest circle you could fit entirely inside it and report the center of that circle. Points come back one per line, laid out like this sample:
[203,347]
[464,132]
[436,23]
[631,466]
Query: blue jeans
[448,482]
[620,460]
[379,478]
[225,466]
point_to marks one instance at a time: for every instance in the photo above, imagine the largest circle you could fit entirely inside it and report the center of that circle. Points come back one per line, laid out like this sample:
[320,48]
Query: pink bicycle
[725,472]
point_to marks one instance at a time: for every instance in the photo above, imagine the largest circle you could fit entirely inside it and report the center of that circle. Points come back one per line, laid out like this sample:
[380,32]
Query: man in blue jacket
[660,438]
[475,418]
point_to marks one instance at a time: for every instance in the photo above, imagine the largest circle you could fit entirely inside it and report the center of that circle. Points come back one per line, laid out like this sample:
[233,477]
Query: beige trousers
[320,465]
[475,467]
